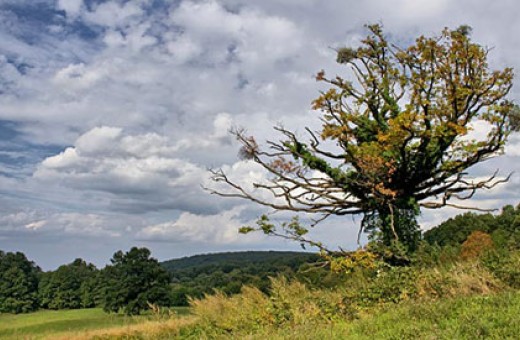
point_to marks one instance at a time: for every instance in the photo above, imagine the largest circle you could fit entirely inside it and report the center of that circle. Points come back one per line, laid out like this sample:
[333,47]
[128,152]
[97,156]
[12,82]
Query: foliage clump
[71,286]
[133,281]
[18,283]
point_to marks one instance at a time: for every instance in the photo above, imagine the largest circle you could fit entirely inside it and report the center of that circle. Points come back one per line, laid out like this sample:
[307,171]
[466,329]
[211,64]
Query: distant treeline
[504,228]
[201,274]
[134,279]
[129,284]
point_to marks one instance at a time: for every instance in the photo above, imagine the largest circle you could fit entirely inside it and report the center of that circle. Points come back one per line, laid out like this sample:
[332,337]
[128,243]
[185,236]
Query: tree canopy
[68,287]
[396,137]
[133,281]
[18,283]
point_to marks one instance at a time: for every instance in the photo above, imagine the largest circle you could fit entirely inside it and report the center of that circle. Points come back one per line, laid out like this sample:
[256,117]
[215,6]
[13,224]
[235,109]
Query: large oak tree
[401,123]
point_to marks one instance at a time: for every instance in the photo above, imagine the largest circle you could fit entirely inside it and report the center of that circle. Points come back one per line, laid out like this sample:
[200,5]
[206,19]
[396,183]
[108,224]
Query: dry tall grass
[165,329]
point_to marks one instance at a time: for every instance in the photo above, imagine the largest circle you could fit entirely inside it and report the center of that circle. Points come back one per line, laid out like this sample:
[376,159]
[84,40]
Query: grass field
[52,324]
[494,316]
[477,317]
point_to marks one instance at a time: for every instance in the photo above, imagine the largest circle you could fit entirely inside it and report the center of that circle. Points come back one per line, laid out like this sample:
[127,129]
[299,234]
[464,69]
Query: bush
[476,245]
[505,266]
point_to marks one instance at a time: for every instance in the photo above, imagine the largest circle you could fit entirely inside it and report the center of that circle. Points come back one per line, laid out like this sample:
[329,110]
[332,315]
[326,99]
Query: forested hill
[231,260]
[228,272]
[503,227]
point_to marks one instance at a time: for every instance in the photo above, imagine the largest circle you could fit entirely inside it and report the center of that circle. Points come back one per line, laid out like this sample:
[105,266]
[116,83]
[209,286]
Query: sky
[112,112]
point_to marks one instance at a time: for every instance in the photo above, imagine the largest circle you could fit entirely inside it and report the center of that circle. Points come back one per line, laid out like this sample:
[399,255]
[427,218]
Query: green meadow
[66,323]
[494,316]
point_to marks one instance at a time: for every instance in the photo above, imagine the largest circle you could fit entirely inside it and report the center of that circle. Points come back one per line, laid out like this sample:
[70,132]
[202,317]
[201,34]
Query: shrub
[505,266]
[476,245]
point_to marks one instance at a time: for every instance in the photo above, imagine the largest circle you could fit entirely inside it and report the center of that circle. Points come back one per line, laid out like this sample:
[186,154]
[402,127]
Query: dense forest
[201,274]
[134,280]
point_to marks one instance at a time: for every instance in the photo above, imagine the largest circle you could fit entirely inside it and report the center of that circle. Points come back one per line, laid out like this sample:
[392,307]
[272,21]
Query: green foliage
[503,228]
[70,286]
[133,281]
[18,283]
[422,297]
[505,266]
[432,255]
[198,275]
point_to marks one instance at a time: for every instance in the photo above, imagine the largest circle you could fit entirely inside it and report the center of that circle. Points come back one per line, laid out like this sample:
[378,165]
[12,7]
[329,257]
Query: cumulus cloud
[71,7]
[136,170]
[114,13]
[221,228]
[31,222]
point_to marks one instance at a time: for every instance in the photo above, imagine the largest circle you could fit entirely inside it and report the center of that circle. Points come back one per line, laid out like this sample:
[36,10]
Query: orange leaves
[377,171]
[476,245]
[283,165]
[320,75]
[249,147]
[458,129]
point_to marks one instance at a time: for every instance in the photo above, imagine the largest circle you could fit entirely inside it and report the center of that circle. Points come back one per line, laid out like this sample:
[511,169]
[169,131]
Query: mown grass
[50,324]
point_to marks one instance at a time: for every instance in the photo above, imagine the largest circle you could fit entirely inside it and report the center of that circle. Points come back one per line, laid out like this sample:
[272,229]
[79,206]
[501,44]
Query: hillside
[230,260]
[200,274]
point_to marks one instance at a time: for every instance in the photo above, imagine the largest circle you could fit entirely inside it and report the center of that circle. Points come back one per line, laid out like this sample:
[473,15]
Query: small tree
[400,124]
[133,281]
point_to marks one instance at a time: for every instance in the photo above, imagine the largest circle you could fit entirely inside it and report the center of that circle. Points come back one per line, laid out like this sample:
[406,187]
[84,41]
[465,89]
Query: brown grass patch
[147,330]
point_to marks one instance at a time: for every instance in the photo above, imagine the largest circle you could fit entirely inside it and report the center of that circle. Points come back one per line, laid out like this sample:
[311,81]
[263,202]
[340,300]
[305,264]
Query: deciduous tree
[18,283]
[133,281]
[396,137]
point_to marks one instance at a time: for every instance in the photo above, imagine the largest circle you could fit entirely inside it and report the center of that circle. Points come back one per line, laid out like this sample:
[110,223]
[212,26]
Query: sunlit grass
[49,324]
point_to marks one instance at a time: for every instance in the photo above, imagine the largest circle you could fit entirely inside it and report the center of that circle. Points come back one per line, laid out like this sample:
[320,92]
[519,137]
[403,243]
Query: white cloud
[136,173]
[70,224]
[221,228]
[71,7]
[115,14]
[512,148]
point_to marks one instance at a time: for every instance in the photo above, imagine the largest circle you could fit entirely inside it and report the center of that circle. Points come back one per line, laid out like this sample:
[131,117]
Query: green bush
[505,266]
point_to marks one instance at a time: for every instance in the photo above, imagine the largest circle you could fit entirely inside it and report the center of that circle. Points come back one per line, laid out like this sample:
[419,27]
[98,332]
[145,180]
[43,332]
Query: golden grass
[147,330]
[463,279]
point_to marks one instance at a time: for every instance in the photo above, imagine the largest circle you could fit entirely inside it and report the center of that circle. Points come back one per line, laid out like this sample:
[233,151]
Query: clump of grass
[158,329]
[462,279]
[289,304]
[476,317]
[505,266]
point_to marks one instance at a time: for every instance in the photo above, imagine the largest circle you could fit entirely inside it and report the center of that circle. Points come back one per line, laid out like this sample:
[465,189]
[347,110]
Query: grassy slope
[478,317]
[490,317]
[49,324]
